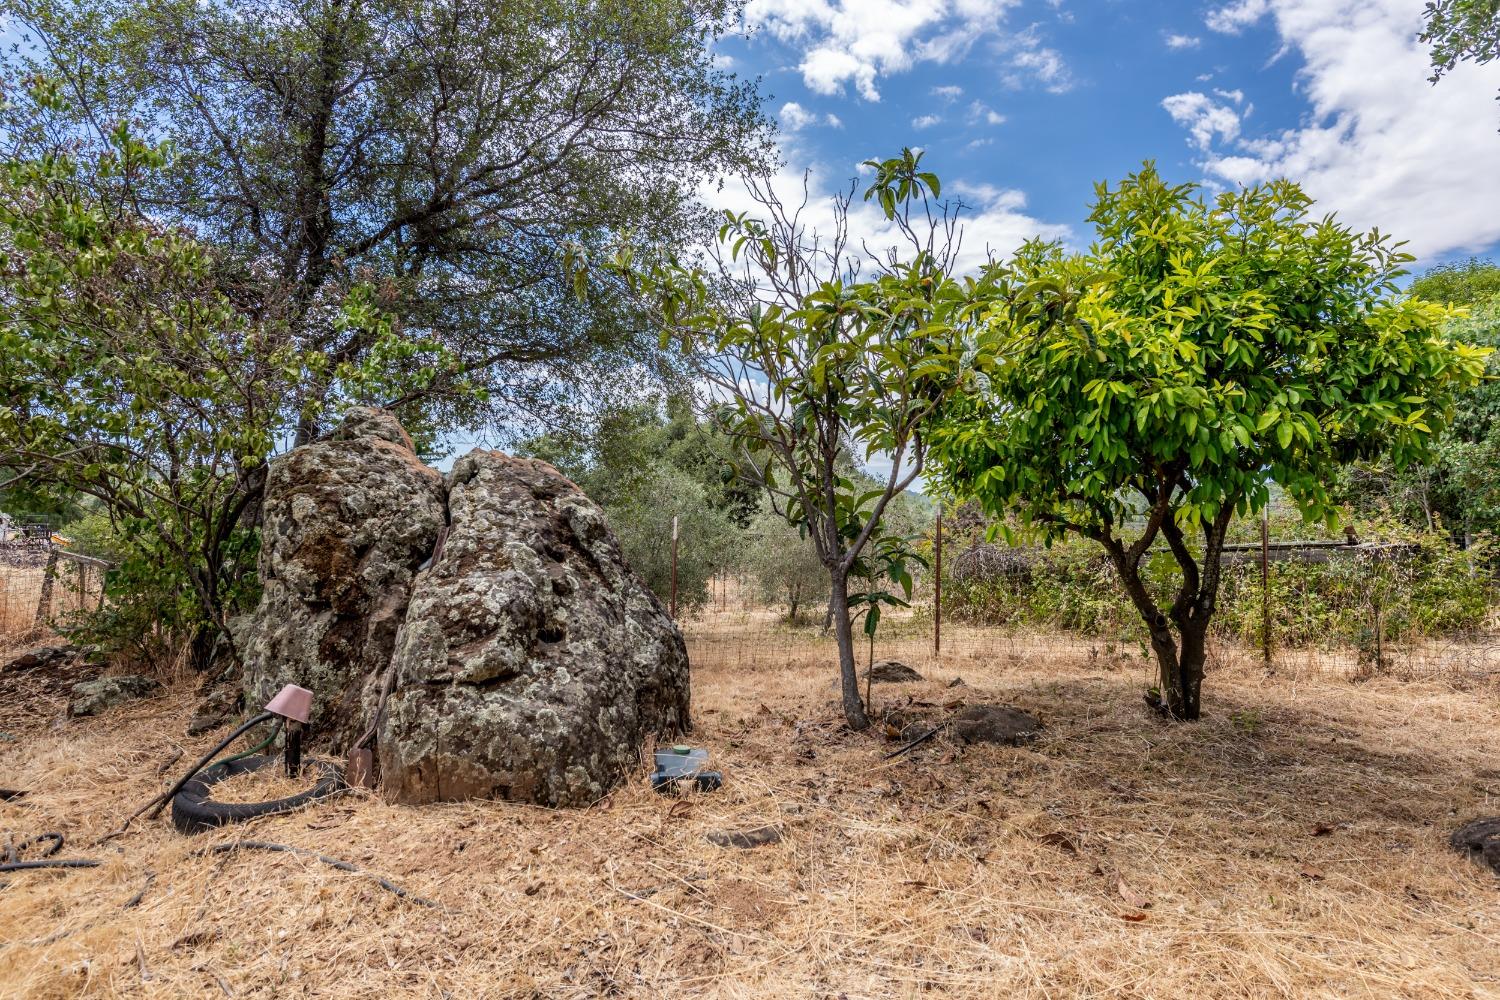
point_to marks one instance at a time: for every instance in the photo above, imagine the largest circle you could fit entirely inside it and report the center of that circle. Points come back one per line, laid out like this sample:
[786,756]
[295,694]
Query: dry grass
[1292,844]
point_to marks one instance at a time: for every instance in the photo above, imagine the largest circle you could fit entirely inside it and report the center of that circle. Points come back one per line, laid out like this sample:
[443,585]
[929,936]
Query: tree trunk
[1168,665]
[1190,670]
[854,706]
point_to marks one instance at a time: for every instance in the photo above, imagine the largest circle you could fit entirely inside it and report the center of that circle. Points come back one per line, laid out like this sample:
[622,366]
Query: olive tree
[1152,388]
[137,369]
[784,564]
[806,359]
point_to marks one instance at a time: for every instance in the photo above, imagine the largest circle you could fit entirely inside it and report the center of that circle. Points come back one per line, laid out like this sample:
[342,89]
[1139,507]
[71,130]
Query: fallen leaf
[1132,897]
[1134,918]
[1312,872]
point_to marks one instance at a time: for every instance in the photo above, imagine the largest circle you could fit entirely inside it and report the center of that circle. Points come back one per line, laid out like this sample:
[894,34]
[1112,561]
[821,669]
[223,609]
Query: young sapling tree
[805,360]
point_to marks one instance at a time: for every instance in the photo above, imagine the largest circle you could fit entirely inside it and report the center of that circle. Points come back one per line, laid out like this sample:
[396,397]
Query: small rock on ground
[892,672]
[746,839]
[95,696]
[40,656]
[1002,724]
[201,724]
[1481,840]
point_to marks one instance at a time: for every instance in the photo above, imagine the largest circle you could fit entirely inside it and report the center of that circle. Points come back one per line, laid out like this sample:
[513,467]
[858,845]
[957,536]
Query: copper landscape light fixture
[294,704]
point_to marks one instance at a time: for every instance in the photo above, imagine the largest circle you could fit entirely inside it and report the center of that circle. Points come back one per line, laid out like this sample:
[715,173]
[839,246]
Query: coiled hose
[160,802]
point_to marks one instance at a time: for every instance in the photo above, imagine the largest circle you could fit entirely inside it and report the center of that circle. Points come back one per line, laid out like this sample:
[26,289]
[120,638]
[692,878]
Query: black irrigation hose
[915,743]
[194,808]
[343,866]
[14,863]
[161,802]
[21,866]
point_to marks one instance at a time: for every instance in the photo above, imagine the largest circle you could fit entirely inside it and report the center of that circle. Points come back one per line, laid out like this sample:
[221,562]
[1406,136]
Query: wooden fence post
[44,602]
[1265,587]
[937,595]
[673,603]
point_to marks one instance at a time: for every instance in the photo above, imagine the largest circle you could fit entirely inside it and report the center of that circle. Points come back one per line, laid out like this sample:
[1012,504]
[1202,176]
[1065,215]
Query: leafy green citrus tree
[806,360]
[1152,388]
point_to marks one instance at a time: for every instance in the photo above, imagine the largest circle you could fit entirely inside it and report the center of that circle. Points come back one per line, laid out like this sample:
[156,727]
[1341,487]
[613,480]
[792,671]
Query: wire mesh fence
[42,586]
[736,630]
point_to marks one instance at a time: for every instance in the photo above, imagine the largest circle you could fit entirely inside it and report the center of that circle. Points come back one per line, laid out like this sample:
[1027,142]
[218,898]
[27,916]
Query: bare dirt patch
[1294,843]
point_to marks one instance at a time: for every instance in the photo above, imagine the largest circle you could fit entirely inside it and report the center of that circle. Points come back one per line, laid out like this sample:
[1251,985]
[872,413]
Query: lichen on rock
[533,662]
[527,661]
[347,521]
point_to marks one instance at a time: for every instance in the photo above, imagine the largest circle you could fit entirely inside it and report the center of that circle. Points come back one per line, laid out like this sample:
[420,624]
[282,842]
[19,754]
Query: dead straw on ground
[1293,844]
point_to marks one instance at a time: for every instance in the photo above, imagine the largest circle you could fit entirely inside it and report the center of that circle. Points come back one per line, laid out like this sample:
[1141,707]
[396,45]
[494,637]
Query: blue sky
[1022,105]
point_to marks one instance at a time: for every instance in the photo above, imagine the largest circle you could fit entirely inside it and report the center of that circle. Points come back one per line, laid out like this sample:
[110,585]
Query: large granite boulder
[347,522]
[533,662]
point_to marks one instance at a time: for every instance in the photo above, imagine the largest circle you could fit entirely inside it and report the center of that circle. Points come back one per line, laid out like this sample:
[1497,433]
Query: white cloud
[1177,42]
[949,93]
[1032,61]
[1234,17]
[995,220]
[1204,119]
[794,117]
[981,112]
[925,121]
[1236,95]
[1379,145]
[855,42]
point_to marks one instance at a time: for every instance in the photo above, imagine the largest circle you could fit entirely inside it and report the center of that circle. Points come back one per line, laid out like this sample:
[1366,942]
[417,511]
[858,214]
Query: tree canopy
[1154,386]
[460,157]
[1461,31]
[1455,490]
[807,361]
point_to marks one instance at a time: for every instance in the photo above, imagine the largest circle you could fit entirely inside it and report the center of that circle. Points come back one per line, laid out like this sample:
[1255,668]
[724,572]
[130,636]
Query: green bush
[1433,589]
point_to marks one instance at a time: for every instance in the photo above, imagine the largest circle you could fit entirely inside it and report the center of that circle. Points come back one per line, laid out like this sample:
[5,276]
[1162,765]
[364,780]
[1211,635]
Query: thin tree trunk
[854,706]
[1169,676]
[1190,670]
